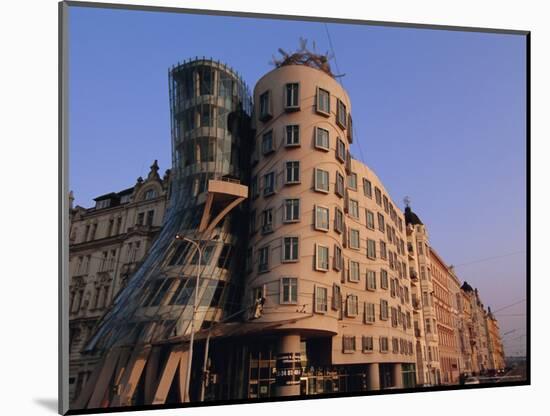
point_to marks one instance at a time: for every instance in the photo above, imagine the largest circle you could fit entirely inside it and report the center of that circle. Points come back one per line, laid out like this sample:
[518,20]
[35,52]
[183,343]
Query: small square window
[352,181]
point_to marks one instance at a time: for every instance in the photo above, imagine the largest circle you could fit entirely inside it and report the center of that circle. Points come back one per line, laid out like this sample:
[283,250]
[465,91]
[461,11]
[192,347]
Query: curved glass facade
[210,109]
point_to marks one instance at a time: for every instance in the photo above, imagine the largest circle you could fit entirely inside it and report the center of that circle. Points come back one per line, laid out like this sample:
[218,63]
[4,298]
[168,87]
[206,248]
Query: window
[371,280]
[341,115]
[352,181]
[428,326]
[321,218]
[420,248]
[267,143]
[386,202]
[292,136]
[383,251]
[352,306]
[321,138]
[393,317]
[321,295]
[350,129]
[340,150]
[368,344]
[150,194]
[321,180]
[383,344]
[395,345]
[381,225]
[348,343]
[140,218]
[292,91]
[367,188]
[383,310]
[339,188]
[336,297]
[292,170]
[267,221]
[291,210]
[252,223]
[378,196]
[323,101]
[371,249]
[254,187]
[321,257]
[393,288]
[338,260]
[263,263]
[354,239]
[338,220]
[383,279]
[265,106]
[289,290]
[354,208]
[290,249]
[269,183]
[150,217]
[370,219]
[353,271]
[369,313]
[104,203]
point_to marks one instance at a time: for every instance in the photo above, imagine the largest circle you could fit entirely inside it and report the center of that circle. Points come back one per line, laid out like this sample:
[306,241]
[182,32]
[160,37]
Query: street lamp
[195,304]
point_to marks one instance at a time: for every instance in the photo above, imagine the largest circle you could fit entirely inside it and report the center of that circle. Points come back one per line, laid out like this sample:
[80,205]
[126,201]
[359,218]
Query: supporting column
[374,376]
[397,376]
[288,361]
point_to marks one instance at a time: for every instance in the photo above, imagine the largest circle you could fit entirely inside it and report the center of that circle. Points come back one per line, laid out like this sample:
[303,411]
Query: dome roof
[411,217]
[466,287]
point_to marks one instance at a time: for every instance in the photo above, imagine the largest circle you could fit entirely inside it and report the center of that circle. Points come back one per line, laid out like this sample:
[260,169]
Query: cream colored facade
[427,340]
[350,273]
[446,313]
[107,243]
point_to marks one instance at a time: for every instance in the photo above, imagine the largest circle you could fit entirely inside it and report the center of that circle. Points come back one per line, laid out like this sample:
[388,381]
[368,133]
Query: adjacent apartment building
[310,278]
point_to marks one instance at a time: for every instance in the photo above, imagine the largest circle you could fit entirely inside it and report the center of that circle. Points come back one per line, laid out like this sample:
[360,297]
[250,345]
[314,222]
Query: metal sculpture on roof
[304,56]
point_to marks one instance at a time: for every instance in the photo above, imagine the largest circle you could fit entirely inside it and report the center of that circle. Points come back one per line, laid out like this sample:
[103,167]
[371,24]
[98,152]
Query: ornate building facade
[107,243]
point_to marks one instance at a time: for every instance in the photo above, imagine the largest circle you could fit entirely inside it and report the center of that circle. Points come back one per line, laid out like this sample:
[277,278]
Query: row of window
[291,103]
[399,345]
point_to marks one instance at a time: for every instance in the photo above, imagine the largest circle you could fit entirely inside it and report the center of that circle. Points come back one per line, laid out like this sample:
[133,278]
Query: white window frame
[353,208]
[293,180]
[341,121]
[292,131]
[316,224]
[318,265]
[291,292]
[318,108]
[384,312]
[356,275]
[352,306]
[338,220]
[370,313]
[369,224]
[371,280]
[352,183]
[290,208]
[295,96]
[321,307]
[294,256]
[369,241]
[316,182]
[352,245]
[320,145]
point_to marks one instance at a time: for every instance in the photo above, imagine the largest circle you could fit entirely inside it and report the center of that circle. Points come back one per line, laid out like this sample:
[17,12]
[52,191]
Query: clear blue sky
[439,115]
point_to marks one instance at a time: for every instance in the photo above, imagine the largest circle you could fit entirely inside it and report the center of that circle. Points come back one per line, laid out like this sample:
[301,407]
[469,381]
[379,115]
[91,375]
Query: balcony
[413,274]
[417,332]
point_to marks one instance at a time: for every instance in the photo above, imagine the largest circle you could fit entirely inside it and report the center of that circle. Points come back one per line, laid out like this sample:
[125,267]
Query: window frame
[292,128]
[267,192]
[356,264]
[271,149]
[295,293]
[316,142]
[293,181]
[296,257]
[341,118]
[318,248]
[370,281]
[268,113]
[318,108]
[292,106]
[316,225]
[315,181]
[317,305]
[265,265]
[286,210]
